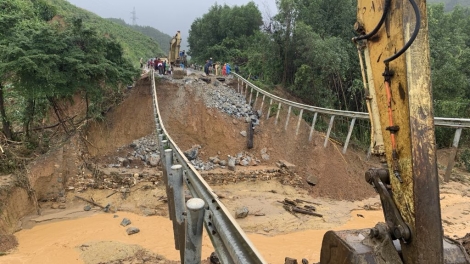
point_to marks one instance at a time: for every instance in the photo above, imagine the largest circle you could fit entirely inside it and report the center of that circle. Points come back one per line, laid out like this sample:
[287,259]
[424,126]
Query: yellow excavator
[174,56]
[393,47]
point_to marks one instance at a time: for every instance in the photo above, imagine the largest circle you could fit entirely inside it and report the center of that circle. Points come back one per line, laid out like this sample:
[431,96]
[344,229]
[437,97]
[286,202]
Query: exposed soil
[190,122]
[73,235]
[130,120]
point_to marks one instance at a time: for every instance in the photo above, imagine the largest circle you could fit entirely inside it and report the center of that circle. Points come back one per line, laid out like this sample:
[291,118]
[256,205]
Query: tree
[450,56]
[224,33]
[50,61]
[287,18]
[12,14]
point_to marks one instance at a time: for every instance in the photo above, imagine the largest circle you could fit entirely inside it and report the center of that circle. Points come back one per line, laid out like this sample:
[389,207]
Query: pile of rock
[145,150]
[133,165]
[228,101]
[219,96]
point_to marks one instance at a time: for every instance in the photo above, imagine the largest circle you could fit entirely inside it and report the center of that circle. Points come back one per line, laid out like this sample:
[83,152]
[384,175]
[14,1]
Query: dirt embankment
[190,122]
[53,175]
[130,120]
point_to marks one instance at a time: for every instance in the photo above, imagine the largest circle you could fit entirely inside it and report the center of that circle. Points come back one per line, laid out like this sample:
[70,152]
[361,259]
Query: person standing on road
[206,68]
[214,68]
[224,69]
[210,65]
[228,69]
[160,67]
[167,68]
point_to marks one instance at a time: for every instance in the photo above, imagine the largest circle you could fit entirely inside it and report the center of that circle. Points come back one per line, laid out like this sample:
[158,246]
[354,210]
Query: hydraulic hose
[413,37]
[379,25]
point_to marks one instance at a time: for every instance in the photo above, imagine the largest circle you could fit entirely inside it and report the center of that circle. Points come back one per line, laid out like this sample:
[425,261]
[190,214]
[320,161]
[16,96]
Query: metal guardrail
[438,121]
[229,241]
[457,123]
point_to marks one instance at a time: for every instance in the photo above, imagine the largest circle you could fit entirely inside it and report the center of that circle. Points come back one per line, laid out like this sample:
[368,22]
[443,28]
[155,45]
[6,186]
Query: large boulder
[231,163]
[154,160]
[192,153]
[132,230]
[125,222]
[242,212]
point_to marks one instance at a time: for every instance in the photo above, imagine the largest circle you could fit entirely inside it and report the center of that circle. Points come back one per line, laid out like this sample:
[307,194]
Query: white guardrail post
[176,179]
[194,230]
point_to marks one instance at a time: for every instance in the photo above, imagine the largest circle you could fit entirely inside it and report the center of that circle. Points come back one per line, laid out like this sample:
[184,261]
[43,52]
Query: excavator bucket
[367,246]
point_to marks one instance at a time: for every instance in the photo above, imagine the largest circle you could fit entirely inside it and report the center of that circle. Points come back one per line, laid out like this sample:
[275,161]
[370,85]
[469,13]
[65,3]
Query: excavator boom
[175,44]
[403,94]
[394,37]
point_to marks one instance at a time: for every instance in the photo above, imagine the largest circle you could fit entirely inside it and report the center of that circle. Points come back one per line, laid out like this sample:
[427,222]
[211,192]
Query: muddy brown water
[59,242]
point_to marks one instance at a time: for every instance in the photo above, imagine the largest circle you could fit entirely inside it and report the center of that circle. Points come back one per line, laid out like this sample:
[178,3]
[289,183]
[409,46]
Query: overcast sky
[168,16]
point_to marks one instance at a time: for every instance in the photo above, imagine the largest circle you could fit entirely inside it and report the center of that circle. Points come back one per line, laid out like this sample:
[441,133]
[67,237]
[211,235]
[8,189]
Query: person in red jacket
[224,69]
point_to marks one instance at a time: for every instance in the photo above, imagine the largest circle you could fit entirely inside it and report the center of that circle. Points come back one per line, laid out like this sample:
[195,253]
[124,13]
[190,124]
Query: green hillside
[450,4]
[135,44]
[162,39]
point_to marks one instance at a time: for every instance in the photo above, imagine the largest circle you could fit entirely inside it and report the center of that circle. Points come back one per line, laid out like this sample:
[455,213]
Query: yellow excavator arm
[393,46]
[174,54]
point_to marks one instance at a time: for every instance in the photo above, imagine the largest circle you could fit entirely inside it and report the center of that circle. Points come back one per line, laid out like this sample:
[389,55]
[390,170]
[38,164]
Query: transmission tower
[134,16]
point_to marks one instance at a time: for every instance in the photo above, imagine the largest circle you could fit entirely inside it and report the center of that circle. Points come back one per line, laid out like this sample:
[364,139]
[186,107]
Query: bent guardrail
[229,241]
[457,123]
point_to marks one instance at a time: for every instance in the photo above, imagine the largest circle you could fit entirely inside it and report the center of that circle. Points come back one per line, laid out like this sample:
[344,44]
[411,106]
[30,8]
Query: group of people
[162,66]
[211,67]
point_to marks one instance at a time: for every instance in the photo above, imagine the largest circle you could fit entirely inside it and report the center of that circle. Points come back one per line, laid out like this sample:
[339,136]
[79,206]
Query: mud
[60,237]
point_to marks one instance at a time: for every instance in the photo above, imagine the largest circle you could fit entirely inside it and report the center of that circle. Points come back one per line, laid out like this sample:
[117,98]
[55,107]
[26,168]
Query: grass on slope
[135,44]
[162,38]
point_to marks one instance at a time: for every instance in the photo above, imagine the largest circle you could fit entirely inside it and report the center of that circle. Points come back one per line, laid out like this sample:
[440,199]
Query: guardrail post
[313,126]
[278,110]
[262,103]
[167,159]
[298,122]
[164,145]
[251,94]
[178,197]
[269,109]
[351,127]
[160,145]
[238,84]
[330,126]
[256,98]
[194,223]
[455,146]
[177,184]
[168,162]
[288,117]
[245,89]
